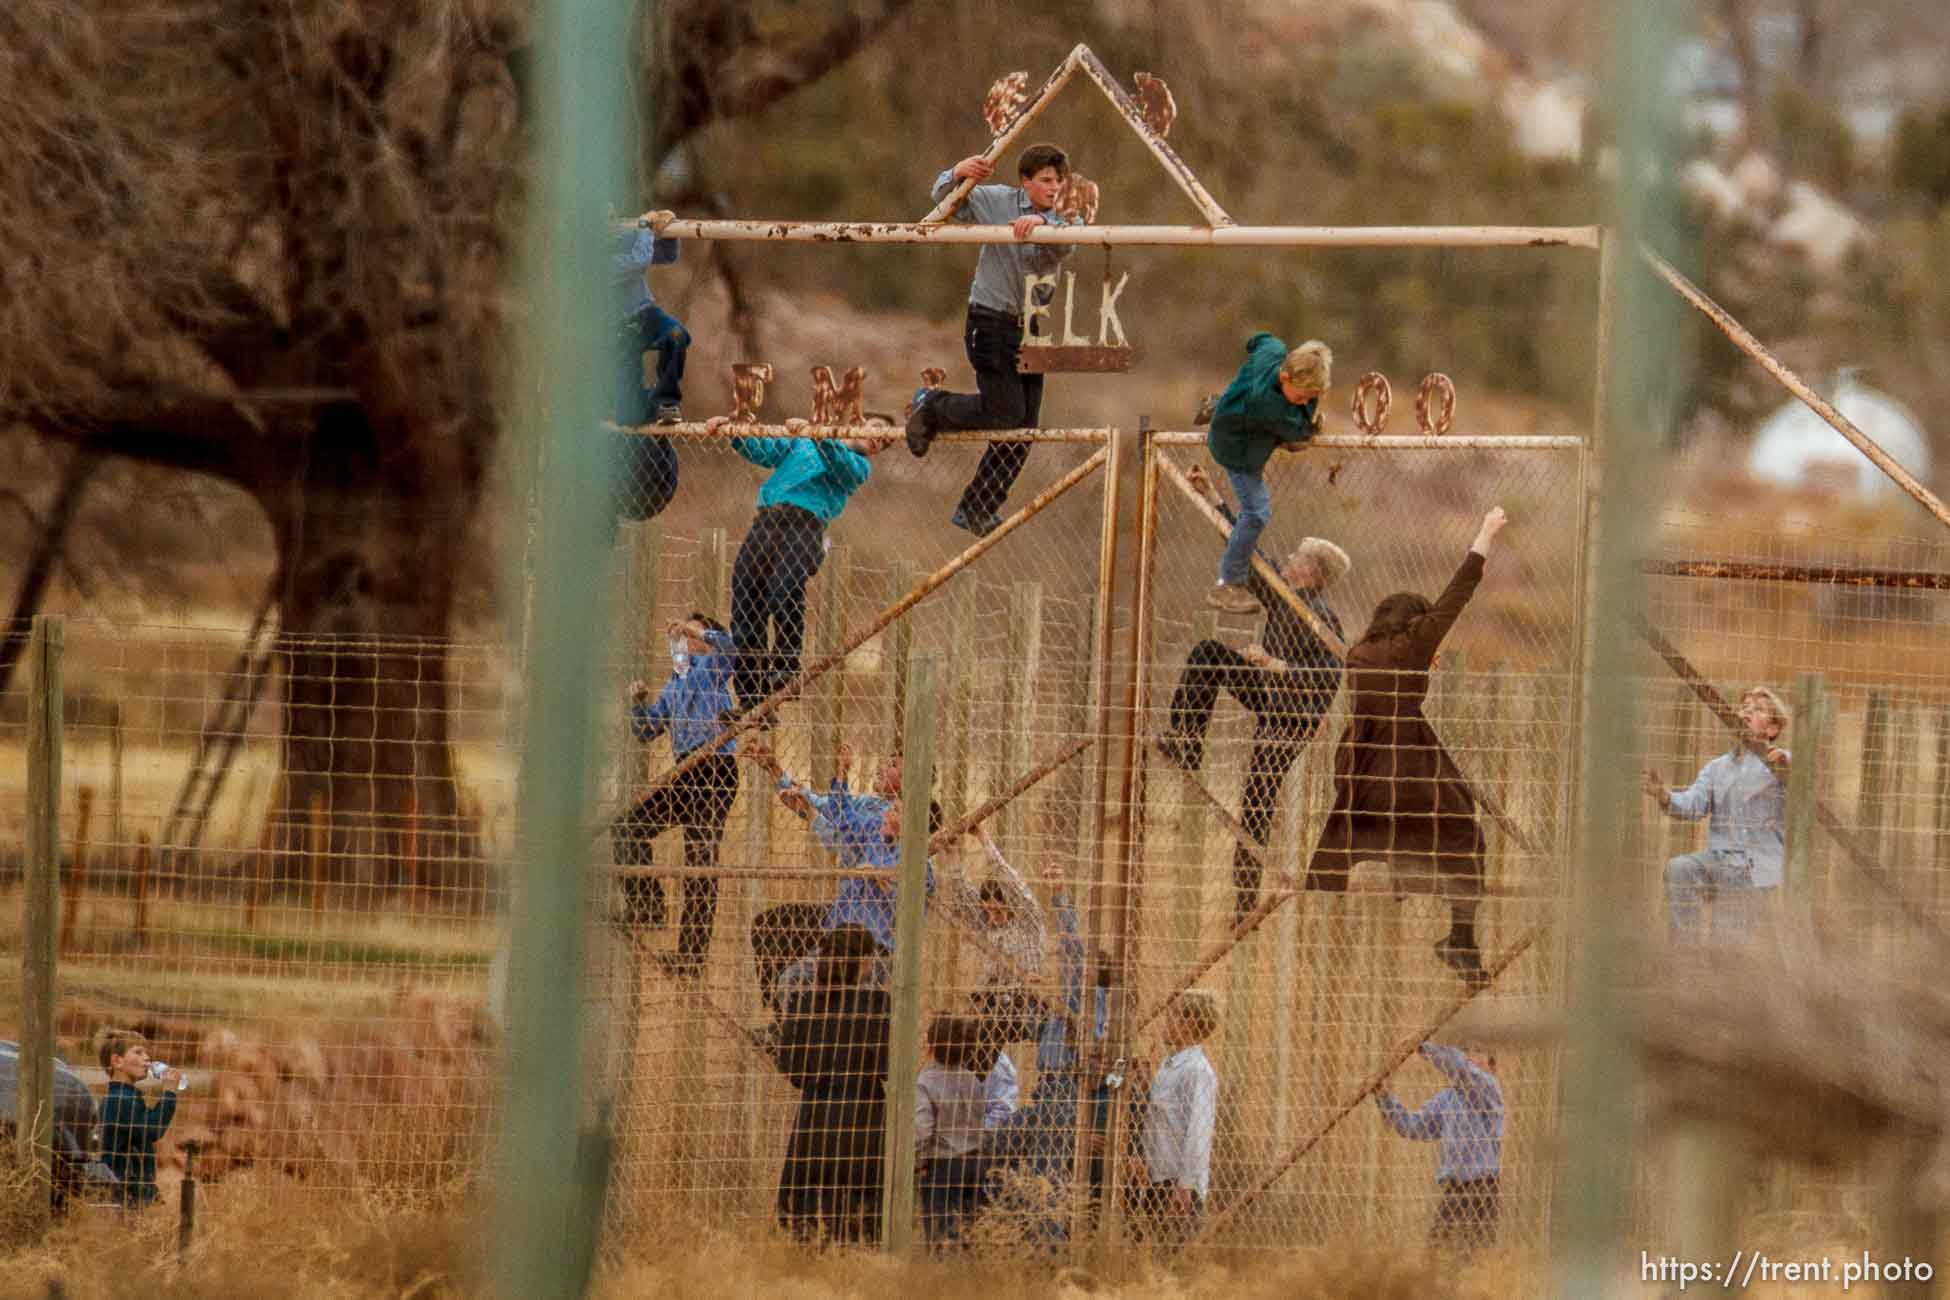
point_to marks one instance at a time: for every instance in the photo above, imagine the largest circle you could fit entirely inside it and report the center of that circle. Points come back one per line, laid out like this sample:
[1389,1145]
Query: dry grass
[358,1247]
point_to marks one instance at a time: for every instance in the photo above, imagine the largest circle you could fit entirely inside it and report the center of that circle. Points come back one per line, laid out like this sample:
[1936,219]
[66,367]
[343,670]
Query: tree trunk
[368,554]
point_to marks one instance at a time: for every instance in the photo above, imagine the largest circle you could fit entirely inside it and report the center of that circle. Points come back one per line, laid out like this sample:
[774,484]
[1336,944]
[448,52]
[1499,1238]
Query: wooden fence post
[141,888]
[116,826]
[315,846]
[84,800]
[40,903]
[896,648]
[647,581]
[1872,800]
[1022,669]
[904,1036]
[828,704]
[708,577]
[1194,825]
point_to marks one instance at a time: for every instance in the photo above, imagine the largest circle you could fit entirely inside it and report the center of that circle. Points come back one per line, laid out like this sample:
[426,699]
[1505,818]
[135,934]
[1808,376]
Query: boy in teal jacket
[1273,400]
[811,480]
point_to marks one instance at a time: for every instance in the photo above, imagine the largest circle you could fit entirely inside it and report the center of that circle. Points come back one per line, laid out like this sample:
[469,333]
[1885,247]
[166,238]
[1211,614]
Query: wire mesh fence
[281,869]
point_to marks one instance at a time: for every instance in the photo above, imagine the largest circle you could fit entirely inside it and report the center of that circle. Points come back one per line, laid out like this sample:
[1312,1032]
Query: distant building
[1796,447]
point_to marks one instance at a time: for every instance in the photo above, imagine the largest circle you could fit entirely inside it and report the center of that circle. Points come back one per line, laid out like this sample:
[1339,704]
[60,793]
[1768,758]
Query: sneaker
[1208,407]
[920,426]
[670,413]
[1182,750]
[980,525]
[1230,599]
[1465,961]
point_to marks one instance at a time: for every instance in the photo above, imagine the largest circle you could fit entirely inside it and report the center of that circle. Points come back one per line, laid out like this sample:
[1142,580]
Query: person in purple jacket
[1467,1119]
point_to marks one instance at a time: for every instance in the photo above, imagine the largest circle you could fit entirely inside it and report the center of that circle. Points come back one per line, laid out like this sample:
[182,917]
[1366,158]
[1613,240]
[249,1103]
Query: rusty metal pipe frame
[1368,1086]
[1175,167]
[915,595]
[695,431]
[1860,858]
[1407,442]
[1787,379]
[1223,236]
[1032,110]
[1122,910]
[1817,574]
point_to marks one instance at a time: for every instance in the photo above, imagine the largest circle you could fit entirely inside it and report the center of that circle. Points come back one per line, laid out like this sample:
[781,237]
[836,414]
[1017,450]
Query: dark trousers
[778,557]
[644,468]
[781,936]
[1467,1213]
[1282,726]
[1154,1219]
[950,1191]
[1006,400]
[699,801]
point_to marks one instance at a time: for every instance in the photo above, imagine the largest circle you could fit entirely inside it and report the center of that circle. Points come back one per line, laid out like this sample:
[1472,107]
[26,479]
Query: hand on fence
[843,762]
[1777,757]
[974,168]
[1022,225]
[660,219]
[639,690]
[1201,484]
[1492,525]
[1656,787]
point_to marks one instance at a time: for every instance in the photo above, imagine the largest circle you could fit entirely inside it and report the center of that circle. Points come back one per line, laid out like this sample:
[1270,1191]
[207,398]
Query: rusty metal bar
[1409,442]
[1269,574]
[1787,379]
[1123,907]
[1175,167]
[837,656]
[695,431]
[1010,134]
[1859,857]
[1233,236]
[1835,575]
[1368,1086]
[1022,785]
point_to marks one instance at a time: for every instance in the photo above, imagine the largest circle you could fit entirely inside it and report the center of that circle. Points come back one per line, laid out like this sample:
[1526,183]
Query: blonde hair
[1777,708]
[1330,560]
[1199,1010]
[1311,365]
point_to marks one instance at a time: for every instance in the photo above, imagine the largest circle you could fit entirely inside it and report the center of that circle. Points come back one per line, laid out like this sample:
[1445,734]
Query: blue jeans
[1728,878]
[1255,510]
[655,330]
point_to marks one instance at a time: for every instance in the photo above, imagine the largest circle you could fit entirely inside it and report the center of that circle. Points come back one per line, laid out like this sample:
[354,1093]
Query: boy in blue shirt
[646,465]
[130,1128]
[1273,401]
[690,707]
[1006,398]
[811,480]
[1467,1119]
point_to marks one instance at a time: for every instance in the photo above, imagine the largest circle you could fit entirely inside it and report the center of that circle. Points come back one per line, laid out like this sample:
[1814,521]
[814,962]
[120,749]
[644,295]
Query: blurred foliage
[1919,164]
[1815,142]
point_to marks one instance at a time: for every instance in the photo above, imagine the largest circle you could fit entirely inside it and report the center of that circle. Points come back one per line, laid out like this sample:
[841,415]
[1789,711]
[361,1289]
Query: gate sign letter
[1041,354]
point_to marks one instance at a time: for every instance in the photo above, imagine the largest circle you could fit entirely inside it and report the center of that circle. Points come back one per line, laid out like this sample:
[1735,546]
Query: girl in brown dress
[1398,796]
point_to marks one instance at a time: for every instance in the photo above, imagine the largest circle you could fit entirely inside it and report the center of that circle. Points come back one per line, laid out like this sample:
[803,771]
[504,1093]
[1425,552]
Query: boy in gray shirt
[1006,400]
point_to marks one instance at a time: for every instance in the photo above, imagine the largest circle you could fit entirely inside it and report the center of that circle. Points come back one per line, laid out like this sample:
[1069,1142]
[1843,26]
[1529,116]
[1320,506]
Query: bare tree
[268,242]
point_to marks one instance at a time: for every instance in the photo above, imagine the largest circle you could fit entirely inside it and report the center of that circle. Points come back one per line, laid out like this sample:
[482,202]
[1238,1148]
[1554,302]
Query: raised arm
[1029,934]
[1424,1125]
[1426,633]
[766,453]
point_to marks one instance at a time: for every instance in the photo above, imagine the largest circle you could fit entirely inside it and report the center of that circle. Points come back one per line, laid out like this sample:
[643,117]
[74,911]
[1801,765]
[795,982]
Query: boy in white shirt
[1178,1121]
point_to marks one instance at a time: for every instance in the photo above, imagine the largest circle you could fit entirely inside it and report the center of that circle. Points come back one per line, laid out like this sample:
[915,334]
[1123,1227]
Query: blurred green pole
[549,1189]
[1592,1251]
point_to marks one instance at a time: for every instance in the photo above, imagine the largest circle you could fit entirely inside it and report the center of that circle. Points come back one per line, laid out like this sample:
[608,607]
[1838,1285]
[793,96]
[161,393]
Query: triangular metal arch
[1082,59]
